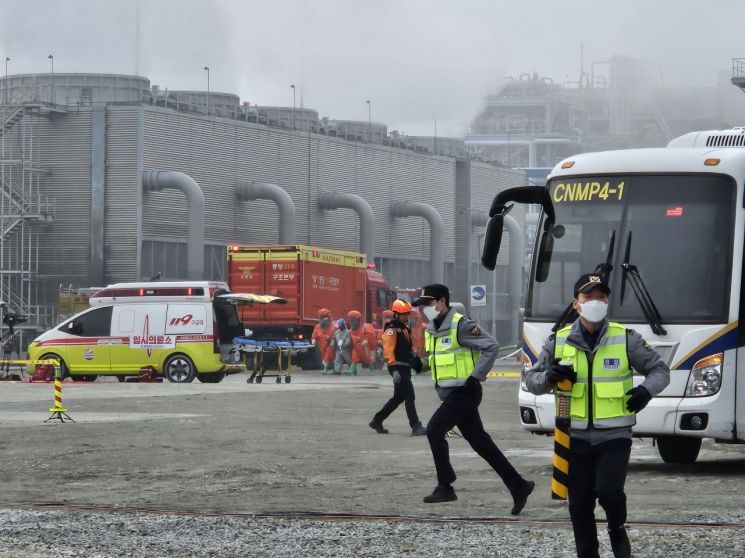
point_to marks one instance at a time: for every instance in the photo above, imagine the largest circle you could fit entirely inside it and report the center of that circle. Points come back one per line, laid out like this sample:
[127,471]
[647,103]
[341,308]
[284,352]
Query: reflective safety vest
[450,363]
[609,380]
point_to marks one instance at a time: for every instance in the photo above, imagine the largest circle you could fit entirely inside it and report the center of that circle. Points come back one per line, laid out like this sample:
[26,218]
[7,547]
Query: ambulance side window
[96,323]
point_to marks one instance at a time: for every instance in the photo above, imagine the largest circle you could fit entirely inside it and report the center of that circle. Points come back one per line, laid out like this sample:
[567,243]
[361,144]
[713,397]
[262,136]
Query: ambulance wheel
[678,449]
[214,378]
[60,370]
[259,379]
[179,369]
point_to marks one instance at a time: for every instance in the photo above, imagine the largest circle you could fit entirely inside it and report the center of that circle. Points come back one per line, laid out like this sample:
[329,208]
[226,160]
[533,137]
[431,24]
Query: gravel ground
[40,534]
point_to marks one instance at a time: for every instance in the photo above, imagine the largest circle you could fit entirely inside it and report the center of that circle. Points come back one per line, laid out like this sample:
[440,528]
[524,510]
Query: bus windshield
[680,229]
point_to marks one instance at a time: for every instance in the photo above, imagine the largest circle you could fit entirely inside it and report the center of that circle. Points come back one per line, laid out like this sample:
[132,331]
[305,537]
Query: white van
[184,330]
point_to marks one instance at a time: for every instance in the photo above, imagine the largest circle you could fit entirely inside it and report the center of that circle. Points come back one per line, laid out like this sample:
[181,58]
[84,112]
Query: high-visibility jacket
[609,380]
[451,364]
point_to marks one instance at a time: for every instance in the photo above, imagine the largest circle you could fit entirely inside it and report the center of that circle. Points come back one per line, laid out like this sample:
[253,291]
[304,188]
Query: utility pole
[6,99]
[293,105]
[369,121]
[51,82]
[207,69]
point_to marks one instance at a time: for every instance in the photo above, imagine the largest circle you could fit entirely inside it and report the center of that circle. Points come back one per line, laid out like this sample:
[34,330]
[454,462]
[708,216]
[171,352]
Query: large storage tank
[73,89]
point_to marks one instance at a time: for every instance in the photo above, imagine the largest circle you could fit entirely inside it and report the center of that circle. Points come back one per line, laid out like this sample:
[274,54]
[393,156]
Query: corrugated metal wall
[123,193]
[64,245]
[219,154]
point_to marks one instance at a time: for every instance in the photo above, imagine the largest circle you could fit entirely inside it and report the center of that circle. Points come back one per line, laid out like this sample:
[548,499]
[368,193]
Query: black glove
[639,397]
[416,363]
[558,373]
[472,383]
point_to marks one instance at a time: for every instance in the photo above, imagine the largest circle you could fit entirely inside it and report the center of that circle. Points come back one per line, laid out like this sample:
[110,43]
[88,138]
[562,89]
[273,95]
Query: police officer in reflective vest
[603,409]
[397,348]
[460,356]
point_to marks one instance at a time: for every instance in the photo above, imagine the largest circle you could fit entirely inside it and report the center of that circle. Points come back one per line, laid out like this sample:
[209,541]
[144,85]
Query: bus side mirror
[545,251]
[492,241]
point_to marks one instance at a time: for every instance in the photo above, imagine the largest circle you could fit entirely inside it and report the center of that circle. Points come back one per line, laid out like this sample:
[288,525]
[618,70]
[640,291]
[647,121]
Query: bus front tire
[678,449]
[179,369]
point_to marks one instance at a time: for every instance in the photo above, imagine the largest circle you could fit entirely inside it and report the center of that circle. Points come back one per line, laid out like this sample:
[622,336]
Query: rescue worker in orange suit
[372,343]
[359,350]
[400,360]
[321,338]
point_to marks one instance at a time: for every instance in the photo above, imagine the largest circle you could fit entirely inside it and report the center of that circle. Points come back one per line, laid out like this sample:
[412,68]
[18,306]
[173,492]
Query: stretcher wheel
[259,379]
[279,380]
[288,379]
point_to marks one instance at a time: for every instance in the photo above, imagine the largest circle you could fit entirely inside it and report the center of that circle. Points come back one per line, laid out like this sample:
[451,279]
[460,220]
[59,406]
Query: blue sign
[478,295]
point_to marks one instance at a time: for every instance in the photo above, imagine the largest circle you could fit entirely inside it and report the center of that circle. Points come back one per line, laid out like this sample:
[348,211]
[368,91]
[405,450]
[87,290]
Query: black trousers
[596,472]
[403,392]
[461,409]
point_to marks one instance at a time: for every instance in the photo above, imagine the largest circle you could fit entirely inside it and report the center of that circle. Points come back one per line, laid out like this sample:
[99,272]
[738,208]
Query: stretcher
[254,351]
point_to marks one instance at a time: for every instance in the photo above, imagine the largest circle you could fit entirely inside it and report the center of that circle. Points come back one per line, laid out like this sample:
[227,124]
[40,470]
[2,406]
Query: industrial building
[619,103]
[90,196]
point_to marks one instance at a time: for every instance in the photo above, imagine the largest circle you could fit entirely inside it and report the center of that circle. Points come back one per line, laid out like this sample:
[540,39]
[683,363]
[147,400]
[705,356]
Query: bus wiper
[651,313]
[603,270]
[649,309]
[623,266]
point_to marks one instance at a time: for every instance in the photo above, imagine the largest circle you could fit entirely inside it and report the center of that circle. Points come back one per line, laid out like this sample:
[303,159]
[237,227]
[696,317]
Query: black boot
[619,542]
[441,494]
[520,497]
[377,426]
[418,430]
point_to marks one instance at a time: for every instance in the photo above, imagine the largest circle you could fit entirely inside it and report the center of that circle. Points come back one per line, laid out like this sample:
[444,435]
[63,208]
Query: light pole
[207,69]
[7,59]
[51,80]
[293,105]
[369,121]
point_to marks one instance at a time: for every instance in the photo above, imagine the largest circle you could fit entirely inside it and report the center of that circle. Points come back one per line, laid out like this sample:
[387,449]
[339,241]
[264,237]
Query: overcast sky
[416,60]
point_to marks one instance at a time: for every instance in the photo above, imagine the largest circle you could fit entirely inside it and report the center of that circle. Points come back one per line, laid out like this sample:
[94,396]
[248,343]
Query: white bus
[666,228]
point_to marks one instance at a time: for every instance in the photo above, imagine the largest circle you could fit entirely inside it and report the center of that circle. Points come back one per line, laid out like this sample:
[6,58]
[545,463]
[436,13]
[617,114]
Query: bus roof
[655,160]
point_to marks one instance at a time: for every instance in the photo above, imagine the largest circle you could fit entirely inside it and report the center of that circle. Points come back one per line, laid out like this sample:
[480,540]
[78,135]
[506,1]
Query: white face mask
[431,312]
[593,310]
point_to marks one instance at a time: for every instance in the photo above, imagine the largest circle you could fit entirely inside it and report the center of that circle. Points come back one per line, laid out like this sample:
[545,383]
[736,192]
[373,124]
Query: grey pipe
[341,200]
[436,233]
[252,191]
[517,258]
[156,180]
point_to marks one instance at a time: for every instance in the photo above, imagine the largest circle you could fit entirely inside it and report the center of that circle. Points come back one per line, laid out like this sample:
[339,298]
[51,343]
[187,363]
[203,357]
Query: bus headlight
[706,376]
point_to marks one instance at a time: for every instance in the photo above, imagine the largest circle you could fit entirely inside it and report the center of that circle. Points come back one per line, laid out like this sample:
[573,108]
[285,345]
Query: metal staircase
[23,210]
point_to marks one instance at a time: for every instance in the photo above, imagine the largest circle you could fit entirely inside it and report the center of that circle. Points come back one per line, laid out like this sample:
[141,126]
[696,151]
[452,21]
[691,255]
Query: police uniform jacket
[642,359]
[472,336]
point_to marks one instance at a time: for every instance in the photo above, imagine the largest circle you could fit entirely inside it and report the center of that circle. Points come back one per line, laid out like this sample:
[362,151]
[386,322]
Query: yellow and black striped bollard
[560,479]
[58,411]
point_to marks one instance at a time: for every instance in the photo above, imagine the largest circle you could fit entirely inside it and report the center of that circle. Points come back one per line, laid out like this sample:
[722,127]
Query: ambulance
[183,330]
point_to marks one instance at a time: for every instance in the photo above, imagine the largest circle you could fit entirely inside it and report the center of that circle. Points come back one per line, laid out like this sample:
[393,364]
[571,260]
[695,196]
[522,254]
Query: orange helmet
[324,312]
[401,307]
